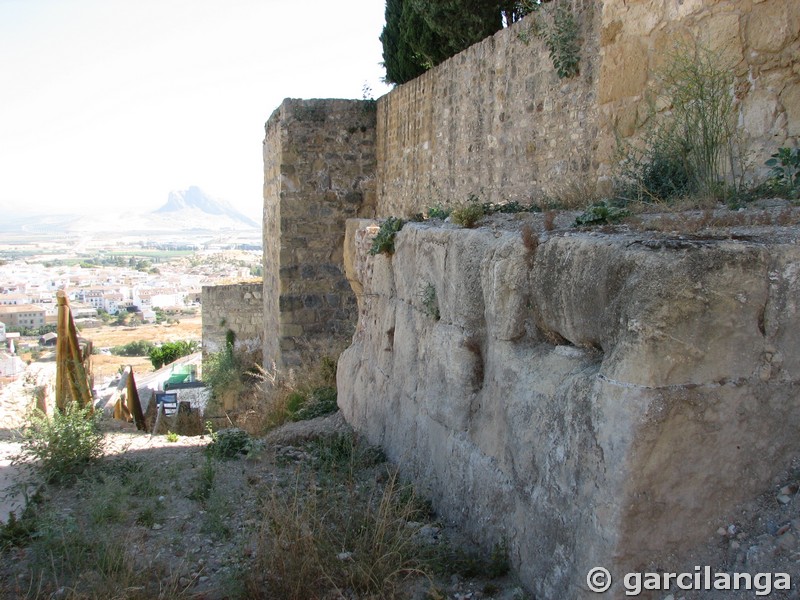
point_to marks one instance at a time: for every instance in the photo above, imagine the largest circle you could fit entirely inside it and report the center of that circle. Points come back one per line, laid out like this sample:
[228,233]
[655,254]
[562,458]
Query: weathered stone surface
[497,122]
[319,170]
[238,308]
[494,121]
[772,25]
[584,401]
[790,99]
[597,402]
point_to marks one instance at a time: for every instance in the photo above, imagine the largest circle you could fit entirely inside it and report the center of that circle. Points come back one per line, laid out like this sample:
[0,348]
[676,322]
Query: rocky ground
[761,536]
[161,519]
[189,526]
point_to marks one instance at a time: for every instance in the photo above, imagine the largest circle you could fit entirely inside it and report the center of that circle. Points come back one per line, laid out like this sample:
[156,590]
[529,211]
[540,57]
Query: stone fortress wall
[319,171]
[587,391]
[497,122]
[236,307]
[594,400]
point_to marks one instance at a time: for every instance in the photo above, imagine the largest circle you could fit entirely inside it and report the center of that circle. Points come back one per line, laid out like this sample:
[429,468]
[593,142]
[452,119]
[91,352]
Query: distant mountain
[185,211]
[187,203]
[40,224]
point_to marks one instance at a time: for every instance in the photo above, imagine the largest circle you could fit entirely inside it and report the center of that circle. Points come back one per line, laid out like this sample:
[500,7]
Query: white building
[14,299]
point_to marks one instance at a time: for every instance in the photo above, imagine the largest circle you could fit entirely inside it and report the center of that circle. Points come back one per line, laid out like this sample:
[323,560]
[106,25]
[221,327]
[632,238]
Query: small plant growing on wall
[530,239]
[438,212]
[601,213]
[429,301]
[560,34]
[562,42]
[467,215]
[784,170]
[688,150]
[383,243]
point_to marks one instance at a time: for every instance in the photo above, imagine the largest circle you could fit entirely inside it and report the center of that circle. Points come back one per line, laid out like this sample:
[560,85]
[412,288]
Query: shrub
[223,370]
[430,303]
[136,348]
[438,212]
[600,213]
[699,86]
[467,215]
[384,240]
[169,352]
[303,395]
[562,41]
[343,453]
[661,173]
[560,34]
[65,444]
[785,171]
[688,150]
[229,443]
[319,402]
[18,532]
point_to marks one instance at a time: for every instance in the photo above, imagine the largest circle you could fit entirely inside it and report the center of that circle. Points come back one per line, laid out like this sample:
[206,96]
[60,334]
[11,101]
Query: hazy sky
[111,104]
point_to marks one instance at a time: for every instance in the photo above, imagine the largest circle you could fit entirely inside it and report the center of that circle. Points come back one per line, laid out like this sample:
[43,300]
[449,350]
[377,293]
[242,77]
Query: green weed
[785,171]
[230,443]
[601,213]
[429,301]
[383,243]
[467,215]
[64,445]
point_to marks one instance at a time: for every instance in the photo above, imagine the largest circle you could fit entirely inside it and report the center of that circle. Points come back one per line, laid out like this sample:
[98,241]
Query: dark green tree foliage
[399,57]
[169,352]
[420,34]
[454,24]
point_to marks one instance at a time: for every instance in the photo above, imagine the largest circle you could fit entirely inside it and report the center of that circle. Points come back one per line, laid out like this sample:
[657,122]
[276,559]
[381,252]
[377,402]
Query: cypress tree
[399,59]
[420,34]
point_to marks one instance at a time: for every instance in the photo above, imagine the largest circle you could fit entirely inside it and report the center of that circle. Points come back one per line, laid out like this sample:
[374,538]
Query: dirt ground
[107,336]
[194,528]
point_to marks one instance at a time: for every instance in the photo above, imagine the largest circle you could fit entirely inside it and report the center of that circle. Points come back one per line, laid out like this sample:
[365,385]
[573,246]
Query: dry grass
[314,541]
[108,366]
[550,220]
[709,219]
[572,193]
[189,328]
[530,239]
[271,397]
[107,336]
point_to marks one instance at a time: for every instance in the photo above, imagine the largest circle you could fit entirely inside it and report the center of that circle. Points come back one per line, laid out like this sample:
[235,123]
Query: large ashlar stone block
[598,400]
[721,34]
[623,70]
[790,99]
[772,25]
[759,111]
